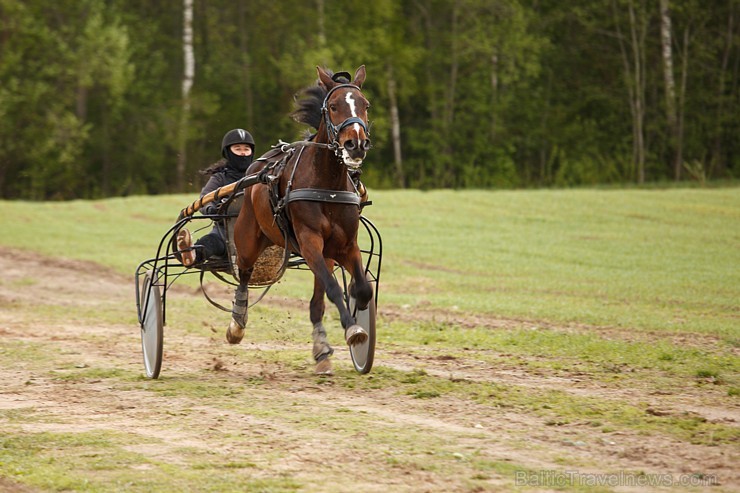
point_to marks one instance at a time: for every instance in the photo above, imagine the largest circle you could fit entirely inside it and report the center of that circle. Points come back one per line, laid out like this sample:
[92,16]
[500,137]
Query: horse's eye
[333,107]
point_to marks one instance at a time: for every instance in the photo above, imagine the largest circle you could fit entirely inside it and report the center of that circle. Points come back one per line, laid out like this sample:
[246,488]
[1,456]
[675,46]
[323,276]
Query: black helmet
[236,136]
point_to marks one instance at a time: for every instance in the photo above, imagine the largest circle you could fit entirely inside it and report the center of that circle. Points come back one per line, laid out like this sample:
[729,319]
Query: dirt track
[312,455]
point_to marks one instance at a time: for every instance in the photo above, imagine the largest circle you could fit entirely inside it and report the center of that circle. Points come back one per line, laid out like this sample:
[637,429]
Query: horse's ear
[359,76]
[325,79]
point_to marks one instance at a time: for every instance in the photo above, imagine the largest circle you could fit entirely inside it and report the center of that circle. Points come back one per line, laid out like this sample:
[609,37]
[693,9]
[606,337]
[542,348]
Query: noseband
[333,130]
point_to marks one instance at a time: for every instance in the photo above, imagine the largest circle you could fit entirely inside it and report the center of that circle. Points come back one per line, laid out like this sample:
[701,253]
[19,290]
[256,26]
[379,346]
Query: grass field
[577,317]
[655,260]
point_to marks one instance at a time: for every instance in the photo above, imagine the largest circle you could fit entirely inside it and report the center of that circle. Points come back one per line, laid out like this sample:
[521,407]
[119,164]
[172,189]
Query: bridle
[334,130]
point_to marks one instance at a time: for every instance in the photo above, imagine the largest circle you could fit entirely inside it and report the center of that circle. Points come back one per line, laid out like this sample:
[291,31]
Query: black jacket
[220,178]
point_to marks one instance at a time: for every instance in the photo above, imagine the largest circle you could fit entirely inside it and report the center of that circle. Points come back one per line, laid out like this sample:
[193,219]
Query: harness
[278,158]
[280,202]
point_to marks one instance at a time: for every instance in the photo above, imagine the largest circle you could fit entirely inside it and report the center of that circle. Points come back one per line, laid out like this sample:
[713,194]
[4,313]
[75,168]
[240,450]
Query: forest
[106,98]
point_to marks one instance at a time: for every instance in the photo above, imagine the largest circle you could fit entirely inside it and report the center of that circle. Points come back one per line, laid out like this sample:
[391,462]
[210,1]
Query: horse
[321,209]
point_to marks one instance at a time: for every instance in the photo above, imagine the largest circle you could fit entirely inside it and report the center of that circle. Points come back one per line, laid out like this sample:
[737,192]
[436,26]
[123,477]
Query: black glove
[214,207]
[210,209]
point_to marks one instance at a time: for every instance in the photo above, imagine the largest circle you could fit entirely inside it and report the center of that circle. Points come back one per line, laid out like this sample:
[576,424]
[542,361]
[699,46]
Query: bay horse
[322,209]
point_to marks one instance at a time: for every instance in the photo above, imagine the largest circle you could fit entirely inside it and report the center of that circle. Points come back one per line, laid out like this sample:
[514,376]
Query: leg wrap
[321,347]
[239,308]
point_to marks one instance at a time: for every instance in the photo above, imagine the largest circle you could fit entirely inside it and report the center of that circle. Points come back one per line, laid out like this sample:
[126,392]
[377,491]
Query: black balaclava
[239,163]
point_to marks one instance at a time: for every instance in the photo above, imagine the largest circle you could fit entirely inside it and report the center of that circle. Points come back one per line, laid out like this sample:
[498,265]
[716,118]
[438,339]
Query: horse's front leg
[360,288]
[321,348]
[311,250]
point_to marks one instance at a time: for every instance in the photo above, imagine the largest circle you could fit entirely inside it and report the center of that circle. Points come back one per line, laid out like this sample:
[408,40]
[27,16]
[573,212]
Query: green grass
[631,291]
[100,462]
[556,407]
[663,260]
[660,260]
[584,351]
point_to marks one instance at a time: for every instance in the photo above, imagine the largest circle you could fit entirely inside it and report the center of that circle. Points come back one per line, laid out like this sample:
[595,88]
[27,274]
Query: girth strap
[319,195]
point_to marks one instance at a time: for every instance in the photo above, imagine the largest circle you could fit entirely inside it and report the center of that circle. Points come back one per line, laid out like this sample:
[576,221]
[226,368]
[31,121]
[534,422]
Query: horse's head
[344,114]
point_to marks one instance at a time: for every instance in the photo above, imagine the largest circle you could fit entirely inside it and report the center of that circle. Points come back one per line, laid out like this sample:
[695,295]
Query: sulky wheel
[363,354]
[151,326]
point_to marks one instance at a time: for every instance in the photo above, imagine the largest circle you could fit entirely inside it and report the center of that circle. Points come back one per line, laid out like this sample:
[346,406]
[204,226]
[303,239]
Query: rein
[263,176]
[285,147]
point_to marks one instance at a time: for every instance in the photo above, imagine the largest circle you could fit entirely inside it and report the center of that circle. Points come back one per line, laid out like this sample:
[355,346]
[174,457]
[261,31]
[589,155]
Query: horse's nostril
[349,145]
[366,144]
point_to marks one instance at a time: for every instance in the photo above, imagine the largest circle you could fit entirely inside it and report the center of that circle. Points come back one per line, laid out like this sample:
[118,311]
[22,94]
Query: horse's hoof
[234,334]
[355,335]
[323,367]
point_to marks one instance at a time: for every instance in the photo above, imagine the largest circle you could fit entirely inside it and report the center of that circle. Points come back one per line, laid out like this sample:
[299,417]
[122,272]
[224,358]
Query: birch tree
[632,48]
[187,84]
[395,127]
[681,110]
[728,44]
[670,86]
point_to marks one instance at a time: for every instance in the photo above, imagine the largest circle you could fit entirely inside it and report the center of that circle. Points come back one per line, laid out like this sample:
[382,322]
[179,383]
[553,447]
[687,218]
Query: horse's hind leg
[249,243]
[321,348]
[235,331]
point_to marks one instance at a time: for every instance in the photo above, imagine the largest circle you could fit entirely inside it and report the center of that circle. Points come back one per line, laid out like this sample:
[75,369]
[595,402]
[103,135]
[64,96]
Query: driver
[237,149]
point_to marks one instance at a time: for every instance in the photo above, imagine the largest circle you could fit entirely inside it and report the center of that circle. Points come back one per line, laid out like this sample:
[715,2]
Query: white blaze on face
[349,161]
[351,102]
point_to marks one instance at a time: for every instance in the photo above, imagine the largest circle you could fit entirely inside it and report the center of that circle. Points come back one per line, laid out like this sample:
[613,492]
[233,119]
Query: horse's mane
[308,101]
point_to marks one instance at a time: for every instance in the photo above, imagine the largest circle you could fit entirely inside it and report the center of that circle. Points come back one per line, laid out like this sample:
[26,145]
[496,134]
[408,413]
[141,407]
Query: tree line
[118,97]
